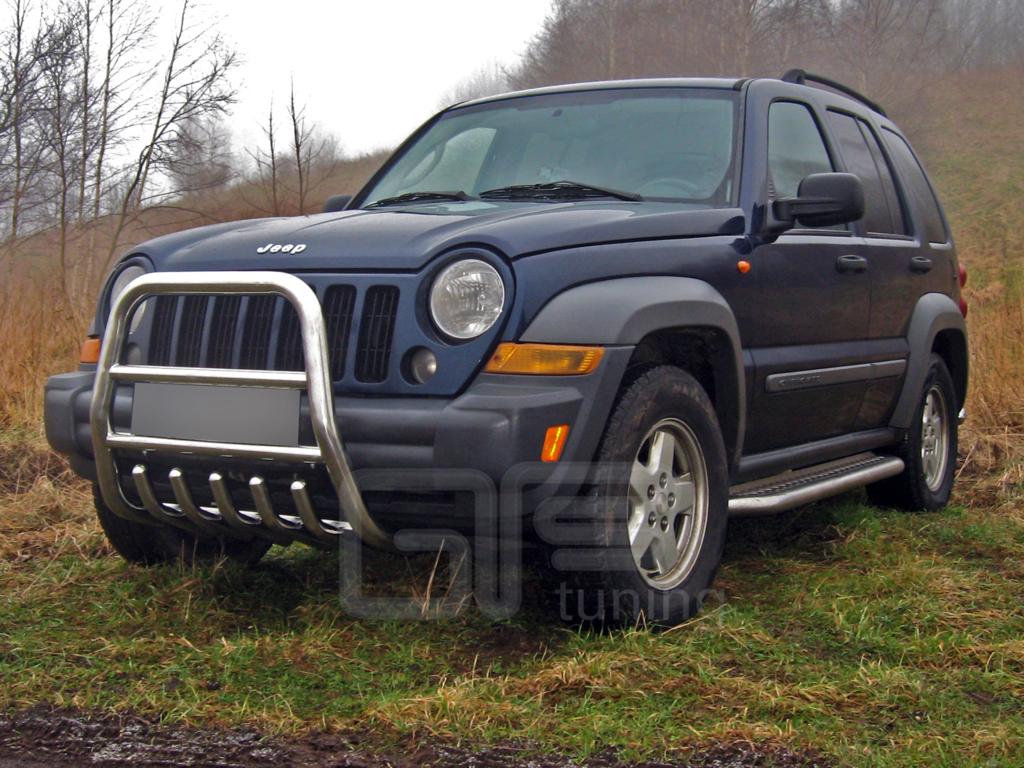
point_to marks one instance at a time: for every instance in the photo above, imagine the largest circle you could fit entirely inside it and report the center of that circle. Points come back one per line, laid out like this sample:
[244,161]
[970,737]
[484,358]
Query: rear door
[813,296]
[893,257]
[922,261]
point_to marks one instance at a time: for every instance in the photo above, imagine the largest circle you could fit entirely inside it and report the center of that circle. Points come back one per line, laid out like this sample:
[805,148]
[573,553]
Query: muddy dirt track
[48,737]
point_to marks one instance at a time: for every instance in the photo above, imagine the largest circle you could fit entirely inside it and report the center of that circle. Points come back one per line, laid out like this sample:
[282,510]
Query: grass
[874,637]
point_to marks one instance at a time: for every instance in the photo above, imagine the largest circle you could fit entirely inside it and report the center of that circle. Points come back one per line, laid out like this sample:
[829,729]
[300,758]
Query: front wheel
[653,525]
[929,450]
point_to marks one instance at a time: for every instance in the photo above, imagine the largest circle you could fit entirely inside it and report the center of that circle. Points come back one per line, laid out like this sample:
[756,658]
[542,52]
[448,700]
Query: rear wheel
[155,544]
[929,451]
[652,528]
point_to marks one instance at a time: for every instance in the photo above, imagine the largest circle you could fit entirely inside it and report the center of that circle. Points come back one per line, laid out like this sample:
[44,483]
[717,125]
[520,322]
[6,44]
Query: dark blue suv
[635,308]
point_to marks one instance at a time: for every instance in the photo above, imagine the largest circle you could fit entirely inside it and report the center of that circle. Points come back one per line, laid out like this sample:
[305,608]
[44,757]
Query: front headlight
[124,277]
[466,299]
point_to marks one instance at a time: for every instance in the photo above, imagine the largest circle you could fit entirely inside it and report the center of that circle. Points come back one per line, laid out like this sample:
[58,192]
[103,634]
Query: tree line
[888,49]
[105,113]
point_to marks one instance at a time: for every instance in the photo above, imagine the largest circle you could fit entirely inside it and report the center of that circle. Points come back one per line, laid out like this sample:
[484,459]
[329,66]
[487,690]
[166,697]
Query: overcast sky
[368,71]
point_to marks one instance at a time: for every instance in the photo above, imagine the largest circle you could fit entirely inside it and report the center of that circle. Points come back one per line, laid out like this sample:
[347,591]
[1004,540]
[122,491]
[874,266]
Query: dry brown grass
[972,144]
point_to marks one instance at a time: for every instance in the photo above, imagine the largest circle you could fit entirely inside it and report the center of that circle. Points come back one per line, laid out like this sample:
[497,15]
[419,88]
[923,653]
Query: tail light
[962,274]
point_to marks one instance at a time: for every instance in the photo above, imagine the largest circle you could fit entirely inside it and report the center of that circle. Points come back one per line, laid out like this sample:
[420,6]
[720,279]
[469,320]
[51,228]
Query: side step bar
[804,486]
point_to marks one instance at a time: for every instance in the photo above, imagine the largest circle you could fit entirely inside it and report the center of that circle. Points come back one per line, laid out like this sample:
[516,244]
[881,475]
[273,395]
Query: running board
[803,486]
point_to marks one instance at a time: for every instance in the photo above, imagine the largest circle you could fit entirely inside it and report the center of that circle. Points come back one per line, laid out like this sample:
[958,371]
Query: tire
[645,554]
[142,544]
[928,451]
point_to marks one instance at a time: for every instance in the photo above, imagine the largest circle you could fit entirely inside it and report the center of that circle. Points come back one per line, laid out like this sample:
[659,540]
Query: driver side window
[795,148]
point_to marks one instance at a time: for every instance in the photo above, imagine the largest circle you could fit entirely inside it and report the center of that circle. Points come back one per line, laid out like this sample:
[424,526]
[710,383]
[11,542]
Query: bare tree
[200,155]
[20,72]
[314,155]
[267,172]
[193,84]
[60,115]
[128,25]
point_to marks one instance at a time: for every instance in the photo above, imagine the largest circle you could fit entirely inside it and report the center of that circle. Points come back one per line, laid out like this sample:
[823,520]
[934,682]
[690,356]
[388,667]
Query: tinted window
[853,146]
[892,195]
[918,190]
[795,147]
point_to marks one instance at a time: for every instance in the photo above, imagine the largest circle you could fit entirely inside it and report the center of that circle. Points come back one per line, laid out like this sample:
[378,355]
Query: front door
[814,291]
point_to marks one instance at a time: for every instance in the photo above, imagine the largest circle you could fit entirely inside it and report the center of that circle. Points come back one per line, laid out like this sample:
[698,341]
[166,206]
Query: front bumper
[494,429]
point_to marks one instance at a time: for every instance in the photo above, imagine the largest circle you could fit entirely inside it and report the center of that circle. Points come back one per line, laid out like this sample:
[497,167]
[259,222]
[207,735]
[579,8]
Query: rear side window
[892,195]
[882,214]
[795,147]
[918,190]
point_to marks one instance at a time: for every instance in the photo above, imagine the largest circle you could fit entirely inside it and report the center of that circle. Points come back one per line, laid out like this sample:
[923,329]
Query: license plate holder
[217,413]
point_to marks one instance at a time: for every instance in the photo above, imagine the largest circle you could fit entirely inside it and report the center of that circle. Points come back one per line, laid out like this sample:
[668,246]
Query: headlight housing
[120,281]
[467,298]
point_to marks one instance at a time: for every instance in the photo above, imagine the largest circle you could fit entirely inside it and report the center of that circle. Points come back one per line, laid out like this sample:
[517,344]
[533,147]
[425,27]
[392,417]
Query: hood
[407,238]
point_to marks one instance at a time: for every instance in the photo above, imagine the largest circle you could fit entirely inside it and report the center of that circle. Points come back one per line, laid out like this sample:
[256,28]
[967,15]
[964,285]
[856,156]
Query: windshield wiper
[415,197]
[556,190]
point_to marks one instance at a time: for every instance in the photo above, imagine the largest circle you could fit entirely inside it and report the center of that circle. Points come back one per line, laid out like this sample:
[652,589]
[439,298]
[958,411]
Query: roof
[722,83]
[795,77]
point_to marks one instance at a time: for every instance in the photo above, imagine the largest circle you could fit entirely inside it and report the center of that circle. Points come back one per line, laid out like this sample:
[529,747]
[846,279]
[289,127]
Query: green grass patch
[875,637]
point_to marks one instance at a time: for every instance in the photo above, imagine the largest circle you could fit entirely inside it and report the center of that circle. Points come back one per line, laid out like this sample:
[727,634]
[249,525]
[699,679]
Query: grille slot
[190,331]
[377,328]
[259,322]
[163,330]
[290,356]
[338,306]
[221,350]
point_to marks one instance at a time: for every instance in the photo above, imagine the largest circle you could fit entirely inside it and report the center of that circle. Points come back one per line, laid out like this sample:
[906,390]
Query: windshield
[669,144]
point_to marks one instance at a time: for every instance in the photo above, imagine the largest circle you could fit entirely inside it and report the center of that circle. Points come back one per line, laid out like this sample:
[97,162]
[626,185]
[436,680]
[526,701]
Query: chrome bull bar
[224,516]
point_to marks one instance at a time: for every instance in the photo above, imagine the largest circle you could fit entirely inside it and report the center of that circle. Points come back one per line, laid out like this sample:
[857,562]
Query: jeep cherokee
[720,297]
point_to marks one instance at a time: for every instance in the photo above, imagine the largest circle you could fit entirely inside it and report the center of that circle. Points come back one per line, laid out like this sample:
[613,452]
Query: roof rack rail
[800,77]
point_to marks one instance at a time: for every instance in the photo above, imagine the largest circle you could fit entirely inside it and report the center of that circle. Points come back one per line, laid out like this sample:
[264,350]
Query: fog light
[422,365]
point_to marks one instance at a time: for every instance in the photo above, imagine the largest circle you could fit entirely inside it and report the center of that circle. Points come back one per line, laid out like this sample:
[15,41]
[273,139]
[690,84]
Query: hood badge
[279,248]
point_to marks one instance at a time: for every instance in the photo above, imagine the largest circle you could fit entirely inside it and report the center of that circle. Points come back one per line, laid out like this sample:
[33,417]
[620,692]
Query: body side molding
[623,311]
[820,377]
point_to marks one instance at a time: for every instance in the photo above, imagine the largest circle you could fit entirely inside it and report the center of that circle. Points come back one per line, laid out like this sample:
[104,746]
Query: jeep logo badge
[278,248]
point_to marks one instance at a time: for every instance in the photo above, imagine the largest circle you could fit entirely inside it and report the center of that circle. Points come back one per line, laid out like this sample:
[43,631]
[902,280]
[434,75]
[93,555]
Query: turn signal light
[554,442]
[544,359]
[90,354]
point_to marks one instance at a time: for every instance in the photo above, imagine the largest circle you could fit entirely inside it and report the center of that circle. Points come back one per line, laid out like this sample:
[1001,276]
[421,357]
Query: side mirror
[337,203]
[823,200]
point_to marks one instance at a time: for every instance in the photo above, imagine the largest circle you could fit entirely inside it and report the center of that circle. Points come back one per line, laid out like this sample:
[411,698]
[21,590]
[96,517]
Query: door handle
[851,263]
[920,264]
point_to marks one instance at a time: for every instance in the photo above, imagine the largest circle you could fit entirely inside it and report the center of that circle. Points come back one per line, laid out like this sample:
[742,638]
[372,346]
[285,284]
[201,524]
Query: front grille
[263,332]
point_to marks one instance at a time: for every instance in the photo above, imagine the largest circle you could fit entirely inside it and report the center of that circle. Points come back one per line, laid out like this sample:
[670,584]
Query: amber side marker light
[544,359]
[90,354]
[554,442]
